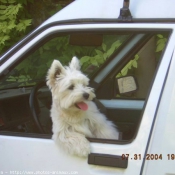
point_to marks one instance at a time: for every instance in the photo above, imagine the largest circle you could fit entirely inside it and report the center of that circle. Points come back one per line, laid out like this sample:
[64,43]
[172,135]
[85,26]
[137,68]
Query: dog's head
[69,86]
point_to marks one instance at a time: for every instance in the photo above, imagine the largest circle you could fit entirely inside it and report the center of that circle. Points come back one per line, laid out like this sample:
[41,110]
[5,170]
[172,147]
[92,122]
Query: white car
[128,53]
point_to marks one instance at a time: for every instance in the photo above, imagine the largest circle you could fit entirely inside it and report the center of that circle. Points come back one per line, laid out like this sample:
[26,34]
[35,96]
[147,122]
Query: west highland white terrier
[74,115]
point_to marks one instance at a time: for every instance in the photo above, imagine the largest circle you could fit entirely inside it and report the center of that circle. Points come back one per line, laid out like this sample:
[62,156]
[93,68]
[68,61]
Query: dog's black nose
[86,95]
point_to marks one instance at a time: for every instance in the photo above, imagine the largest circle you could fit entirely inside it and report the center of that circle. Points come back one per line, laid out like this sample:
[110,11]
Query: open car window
[93,50]
[105,57]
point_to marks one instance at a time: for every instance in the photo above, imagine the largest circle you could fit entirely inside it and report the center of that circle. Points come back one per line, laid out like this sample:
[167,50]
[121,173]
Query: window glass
[95,51]
[132,77]
[92,49]
[142,66]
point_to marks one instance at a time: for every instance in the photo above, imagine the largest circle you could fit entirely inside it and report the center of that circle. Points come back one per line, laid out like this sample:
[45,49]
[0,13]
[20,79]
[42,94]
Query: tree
[19,17]
[14,22]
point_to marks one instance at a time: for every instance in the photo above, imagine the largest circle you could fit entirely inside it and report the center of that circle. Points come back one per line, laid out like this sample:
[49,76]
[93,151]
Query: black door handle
[107,160]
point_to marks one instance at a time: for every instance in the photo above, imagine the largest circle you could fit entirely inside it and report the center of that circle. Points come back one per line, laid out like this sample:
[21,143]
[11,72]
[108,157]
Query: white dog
[74,114]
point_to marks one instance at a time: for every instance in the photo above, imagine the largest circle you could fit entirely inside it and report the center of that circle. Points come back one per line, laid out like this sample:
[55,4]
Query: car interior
[121,66]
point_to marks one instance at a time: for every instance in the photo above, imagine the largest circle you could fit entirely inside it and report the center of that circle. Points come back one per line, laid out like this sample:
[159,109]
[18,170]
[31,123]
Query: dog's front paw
[75,144]
[81,148]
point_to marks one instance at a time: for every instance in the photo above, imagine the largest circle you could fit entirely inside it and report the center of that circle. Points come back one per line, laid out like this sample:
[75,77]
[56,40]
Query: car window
[93,50]
[96,51]
[141,64]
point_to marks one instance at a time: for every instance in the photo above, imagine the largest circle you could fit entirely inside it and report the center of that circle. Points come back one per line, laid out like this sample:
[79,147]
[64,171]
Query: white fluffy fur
[72,125]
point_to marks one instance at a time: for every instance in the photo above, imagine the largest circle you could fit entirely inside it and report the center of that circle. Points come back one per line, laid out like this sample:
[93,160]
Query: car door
[159,143]
[25,149]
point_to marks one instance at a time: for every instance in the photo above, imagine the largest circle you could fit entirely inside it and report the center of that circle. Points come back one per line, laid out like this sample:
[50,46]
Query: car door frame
[161,140]
[136,147]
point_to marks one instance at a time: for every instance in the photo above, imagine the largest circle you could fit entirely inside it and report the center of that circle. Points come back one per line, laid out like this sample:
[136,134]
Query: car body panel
[21,153]
[162,137]
[35,150]
[102,9]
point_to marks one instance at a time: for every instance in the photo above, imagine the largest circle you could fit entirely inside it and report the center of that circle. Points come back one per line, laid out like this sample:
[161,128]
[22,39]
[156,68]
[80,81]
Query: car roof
[110,9]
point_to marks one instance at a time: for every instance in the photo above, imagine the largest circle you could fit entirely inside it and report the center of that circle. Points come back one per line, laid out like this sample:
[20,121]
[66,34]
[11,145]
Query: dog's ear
[55,71]
[75,64]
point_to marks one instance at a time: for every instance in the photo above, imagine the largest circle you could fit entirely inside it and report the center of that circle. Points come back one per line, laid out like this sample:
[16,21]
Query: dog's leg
[73,143]
[104,128]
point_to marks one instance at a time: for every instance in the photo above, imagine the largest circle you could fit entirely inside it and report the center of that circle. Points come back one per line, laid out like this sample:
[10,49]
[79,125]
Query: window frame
[152,102]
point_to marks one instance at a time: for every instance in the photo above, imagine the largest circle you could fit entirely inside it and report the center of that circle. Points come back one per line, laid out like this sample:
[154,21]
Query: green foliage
[131,64]
[14,22]
[23,80]
[100,54]
[36,65]
[161,42]
[58,7]
[160,45]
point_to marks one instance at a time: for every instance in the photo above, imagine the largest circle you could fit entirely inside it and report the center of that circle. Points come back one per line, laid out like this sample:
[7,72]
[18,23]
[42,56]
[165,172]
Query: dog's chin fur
[72,124]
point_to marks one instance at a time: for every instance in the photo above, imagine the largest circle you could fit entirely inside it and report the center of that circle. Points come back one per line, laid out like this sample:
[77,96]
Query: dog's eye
[71,87]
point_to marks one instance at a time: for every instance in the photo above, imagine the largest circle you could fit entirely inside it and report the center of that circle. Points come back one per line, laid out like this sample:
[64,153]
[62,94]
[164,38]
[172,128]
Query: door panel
[162,137]
[43,155]
[38,154]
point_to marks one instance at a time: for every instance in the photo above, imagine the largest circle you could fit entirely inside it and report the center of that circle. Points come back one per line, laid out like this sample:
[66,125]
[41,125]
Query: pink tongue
[82,106]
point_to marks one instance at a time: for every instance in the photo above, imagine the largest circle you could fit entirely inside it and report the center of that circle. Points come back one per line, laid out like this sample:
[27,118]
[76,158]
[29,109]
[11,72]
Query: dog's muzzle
[86,96]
